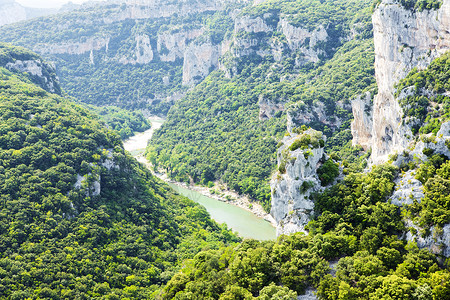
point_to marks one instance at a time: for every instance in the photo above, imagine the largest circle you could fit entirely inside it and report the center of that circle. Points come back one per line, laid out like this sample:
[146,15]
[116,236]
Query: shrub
[328,172]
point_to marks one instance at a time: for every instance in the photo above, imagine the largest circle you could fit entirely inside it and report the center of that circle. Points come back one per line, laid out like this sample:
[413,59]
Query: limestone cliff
[403,39]
[253,36]
[144,9]
[25,63]
[172,45]
[296,179]
[304,41]
[363,119]
[200,59]
[74,47]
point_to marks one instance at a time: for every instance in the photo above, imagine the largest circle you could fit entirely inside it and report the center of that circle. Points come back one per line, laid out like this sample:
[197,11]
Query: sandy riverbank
[218,192]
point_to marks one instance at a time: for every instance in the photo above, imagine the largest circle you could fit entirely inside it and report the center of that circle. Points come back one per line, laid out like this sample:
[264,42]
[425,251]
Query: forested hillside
[129,55]
[79,218]
[354,250]
[227,129]
[370,232]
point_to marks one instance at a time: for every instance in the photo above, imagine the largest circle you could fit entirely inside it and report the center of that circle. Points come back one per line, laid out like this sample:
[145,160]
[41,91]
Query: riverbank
[137,144]
[218,192]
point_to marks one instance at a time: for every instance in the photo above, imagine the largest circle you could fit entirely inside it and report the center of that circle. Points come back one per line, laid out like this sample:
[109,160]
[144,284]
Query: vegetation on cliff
[214,133]
[79,218]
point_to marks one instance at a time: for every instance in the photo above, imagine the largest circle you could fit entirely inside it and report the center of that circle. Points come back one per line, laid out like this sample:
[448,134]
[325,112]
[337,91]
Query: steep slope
[405,38]
[79,217]
[132,54]
[291,63]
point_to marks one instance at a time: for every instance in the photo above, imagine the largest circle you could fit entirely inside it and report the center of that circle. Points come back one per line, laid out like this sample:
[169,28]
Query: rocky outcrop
[300,113]
[304,41]
[39,72]
[251,25]
[403,39]
[74,47]
[144,9]
[296,179]
[438,242]
[200,59]
[253,36]
[407,189]
[363,118]
[172,45]
[198,62]
[143,53]
[268,108]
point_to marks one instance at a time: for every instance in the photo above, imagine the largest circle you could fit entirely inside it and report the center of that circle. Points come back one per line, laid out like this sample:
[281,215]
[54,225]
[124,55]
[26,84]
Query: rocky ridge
[296,179]
[404,39]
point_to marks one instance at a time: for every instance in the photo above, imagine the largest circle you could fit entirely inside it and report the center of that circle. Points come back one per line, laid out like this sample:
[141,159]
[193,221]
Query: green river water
[246,224]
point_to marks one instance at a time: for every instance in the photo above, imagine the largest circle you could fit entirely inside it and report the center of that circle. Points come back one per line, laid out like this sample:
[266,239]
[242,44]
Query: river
[243,222]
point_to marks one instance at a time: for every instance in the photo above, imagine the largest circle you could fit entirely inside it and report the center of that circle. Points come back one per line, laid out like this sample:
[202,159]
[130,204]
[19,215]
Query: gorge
[331,115]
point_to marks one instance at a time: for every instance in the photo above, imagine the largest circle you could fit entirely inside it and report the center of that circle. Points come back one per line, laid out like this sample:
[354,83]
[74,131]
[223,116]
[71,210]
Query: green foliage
[78,217]
[308,140]
[328,172]
[266,270]
[10,54]
[424,112]
[115,76]
[434,209]
[213,131]
[216,125]
[125,122]
[421,5]
[360,202]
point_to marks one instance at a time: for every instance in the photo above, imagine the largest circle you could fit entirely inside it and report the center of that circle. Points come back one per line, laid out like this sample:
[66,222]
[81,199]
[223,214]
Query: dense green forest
[79,217]
[214,133]
[125,122]
[356,229]
[112,74]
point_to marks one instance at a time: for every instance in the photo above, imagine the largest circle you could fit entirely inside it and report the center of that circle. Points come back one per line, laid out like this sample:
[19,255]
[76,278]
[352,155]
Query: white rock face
[35,68]
[201,59]
[251,25]
[172,46]
[309,295]
[93,43]
[268,108]
[437,242]
[291,206]
[144,52]
[407,189]
[403,40]
[143,9]
[362,123]
[438,144]
[302,114]
[92,190]
[300,39]
[30,66]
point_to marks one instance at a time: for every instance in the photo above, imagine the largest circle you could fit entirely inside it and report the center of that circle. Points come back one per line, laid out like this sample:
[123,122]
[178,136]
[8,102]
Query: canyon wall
[404,39]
